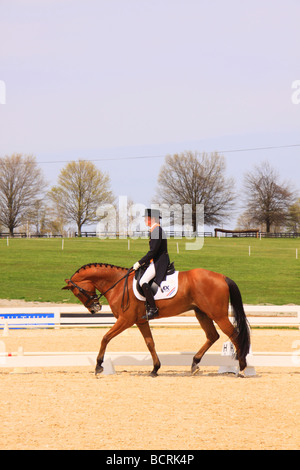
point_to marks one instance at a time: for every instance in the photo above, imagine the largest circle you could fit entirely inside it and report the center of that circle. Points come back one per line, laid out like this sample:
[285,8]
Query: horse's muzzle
[95,308]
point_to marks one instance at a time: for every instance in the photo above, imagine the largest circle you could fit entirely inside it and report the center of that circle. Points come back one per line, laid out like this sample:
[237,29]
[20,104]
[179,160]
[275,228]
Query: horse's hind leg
[229,330]
[211,337]
[147,335]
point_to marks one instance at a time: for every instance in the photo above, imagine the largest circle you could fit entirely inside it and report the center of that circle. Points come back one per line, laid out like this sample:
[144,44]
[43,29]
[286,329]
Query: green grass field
[32,269]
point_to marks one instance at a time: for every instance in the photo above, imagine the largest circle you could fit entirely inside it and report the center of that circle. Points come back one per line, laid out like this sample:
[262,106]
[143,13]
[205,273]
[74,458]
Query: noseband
[88,294]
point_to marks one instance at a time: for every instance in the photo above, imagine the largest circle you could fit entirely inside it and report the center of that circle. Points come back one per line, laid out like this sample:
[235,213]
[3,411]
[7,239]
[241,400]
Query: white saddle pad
[167,289]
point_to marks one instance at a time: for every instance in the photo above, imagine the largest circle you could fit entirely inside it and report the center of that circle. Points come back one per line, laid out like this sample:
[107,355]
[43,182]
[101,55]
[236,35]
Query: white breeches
[148,274]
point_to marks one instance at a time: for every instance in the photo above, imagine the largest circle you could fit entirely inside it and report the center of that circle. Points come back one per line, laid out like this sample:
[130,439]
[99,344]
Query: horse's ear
[67,286]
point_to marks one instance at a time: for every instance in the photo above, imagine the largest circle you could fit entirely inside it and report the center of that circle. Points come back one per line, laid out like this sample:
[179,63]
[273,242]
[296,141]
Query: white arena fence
[21,360]
[72,316]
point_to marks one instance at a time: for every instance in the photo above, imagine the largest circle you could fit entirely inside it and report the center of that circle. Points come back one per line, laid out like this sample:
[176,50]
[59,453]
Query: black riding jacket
[158,252]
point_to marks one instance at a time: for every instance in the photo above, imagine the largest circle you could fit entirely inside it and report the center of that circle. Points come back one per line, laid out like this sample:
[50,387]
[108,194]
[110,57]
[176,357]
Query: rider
[157,260]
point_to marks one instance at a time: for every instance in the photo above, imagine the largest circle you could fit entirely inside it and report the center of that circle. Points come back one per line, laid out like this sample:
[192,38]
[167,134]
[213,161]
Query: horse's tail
[241,322]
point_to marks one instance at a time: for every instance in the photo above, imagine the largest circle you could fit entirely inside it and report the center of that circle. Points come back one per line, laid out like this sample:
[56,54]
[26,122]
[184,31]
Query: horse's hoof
[195,369]
[98,370]
[154,374]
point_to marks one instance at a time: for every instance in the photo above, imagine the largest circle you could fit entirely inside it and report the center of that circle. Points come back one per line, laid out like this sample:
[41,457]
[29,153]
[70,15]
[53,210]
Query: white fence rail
[67,316]
[77,359]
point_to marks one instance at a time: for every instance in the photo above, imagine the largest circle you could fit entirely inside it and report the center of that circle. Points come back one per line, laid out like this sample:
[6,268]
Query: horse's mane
[99,265]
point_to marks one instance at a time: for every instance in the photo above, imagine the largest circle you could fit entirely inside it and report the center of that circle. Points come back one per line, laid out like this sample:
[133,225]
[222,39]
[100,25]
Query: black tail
[241,322]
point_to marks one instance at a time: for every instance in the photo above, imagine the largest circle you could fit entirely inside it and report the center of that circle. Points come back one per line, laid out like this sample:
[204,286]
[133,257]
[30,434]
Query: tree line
[186,178]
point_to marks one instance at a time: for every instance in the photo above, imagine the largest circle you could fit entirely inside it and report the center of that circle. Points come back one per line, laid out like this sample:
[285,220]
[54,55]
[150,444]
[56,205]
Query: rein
[130,270]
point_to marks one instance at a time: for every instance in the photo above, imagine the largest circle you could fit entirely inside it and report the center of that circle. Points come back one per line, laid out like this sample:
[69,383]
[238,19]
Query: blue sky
[108,80]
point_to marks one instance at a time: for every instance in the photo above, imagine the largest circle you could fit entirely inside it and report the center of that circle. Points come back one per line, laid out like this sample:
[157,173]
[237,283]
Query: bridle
[93,298]
[90,296]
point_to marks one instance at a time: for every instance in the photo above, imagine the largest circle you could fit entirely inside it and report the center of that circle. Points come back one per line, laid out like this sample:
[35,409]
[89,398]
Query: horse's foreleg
[211,337]
[147,335]
[120,325]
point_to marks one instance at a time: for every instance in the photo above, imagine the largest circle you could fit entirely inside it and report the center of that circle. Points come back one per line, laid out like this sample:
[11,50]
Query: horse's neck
[102,277]
[106,277]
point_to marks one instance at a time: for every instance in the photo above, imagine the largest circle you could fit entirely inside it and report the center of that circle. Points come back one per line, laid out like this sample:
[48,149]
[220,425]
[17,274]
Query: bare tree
[194,178]
[267,199]
[243,222]
[21,185]
[293,222]
[37,215]
[81,189]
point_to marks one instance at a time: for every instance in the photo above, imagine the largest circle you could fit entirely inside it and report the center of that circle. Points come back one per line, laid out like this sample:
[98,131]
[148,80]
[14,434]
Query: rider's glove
[136,266]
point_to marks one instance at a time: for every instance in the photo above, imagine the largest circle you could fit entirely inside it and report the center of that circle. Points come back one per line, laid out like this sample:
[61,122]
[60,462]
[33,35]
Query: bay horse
[206,292]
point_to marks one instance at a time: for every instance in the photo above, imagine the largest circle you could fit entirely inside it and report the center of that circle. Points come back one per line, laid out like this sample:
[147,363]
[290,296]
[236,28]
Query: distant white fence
[72,316]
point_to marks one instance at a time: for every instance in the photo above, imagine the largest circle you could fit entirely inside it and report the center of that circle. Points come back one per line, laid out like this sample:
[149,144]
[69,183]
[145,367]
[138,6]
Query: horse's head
[89,298]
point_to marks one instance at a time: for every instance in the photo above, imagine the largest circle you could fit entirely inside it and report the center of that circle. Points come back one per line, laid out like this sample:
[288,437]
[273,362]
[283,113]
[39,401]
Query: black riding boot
[153,310]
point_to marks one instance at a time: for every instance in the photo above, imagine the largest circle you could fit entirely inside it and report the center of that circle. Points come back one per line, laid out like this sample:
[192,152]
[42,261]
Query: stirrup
[152,313]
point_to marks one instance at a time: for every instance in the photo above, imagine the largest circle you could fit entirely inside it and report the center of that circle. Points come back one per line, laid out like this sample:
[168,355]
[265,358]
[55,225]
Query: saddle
[167,289]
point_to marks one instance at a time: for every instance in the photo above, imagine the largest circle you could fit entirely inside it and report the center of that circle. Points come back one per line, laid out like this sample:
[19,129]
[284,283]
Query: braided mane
[99,265]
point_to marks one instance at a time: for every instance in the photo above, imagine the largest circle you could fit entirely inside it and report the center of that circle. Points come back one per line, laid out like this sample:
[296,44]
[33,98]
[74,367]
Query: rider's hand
[136,266]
